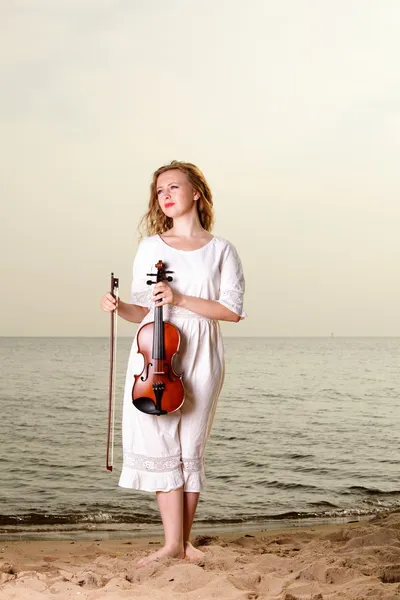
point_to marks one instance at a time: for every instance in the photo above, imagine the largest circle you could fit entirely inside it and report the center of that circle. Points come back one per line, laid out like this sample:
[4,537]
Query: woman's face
[175,193]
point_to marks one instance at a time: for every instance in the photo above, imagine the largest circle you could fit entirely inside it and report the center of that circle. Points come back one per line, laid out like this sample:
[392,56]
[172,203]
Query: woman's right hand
[108,302]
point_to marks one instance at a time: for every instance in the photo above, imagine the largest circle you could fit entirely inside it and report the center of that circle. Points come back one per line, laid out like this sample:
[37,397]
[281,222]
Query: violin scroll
[161,274]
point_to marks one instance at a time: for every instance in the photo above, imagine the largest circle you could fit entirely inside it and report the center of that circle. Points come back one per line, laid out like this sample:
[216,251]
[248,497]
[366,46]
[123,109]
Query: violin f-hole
[147,372]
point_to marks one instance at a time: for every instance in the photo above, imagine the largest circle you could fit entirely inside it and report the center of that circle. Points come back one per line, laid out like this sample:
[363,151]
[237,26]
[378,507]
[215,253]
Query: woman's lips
[168,204]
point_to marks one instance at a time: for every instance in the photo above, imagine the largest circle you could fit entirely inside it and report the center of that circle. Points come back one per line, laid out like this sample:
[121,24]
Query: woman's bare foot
[172,551]
[192,553]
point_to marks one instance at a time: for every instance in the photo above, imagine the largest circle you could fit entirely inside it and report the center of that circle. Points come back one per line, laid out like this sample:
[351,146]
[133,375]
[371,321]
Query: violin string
[156,339]
[159,333]
[161,355]
[159,336]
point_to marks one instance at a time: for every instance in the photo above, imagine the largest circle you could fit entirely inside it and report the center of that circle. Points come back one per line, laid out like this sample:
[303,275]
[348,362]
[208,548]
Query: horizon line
[224,336]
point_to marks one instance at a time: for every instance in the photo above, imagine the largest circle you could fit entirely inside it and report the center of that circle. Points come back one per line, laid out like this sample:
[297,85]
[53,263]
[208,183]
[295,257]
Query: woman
[165,454]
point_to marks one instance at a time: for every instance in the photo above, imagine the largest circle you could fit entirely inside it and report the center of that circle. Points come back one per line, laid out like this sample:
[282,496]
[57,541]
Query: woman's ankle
[174,545]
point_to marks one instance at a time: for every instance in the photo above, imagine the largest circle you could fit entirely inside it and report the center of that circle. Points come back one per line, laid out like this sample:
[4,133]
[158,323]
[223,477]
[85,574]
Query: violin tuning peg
[149,282]
[169,278]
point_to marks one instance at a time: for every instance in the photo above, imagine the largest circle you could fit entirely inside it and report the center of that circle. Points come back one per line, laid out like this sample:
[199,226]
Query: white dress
[162,453]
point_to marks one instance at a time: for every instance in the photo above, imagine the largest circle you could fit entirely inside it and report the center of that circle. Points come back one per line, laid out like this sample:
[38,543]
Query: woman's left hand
[165,292]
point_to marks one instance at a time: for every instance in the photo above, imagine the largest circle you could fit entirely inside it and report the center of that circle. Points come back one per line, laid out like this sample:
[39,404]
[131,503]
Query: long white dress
[162,453]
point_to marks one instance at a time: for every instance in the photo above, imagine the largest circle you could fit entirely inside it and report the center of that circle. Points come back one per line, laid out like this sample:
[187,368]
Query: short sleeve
[232,284]
[141,293]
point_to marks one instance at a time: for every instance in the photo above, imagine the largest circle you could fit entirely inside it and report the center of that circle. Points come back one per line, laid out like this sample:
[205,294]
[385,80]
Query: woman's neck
[185,227]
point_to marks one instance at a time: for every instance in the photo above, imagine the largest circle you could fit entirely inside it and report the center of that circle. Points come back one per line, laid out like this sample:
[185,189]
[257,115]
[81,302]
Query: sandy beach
[354,561]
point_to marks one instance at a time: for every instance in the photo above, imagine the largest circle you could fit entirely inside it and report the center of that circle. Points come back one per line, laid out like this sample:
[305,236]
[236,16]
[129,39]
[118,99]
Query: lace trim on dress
[181,313]
[145,299]
[149,463]
[142,298]
[192,464]
[233,300]
[161,465]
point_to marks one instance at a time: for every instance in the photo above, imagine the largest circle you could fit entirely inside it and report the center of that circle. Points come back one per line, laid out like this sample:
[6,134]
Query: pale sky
[292,110]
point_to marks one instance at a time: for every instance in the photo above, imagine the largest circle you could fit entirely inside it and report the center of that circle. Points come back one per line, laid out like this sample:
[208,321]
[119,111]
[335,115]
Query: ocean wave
[371,491]
[35,522]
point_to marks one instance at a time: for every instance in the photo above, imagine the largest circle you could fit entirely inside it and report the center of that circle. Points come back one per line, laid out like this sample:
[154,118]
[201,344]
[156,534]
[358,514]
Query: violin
[158,390]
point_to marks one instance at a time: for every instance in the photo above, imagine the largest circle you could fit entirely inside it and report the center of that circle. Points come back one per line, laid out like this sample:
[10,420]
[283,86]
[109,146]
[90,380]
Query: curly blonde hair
[156,222]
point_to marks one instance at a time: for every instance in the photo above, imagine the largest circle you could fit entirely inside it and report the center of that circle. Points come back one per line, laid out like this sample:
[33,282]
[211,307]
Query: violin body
[158,390]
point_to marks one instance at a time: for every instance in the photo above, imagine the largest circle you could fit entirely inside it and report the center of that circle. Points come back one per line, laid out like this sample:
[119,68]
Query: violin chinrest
[146,405]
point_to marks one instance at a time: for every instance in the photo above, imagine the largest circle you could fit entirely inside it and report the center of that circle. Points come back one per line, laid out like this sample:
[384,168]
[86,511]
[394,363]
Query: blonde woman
[165,454]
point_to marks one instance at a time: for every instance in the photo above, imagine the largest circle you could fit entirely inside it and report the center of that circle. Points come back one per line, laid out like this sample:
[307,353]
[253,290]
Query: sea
[307,430]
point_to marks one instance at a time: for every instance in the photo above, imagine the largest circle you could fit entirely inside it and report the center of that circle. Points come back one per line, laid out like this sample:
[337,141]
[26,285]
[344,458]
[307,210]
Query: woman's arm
[212,309]
[131,312]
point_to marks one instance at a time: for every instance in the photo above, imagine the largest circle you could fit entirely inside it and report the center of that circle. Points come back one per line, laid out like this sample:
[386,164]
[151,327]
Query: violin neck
[158,338]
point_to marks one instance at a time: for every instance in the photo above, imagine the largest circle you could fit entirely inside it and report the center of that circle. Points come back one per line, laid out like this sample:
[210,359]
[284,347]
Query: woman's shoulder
[147,242]
[223,243]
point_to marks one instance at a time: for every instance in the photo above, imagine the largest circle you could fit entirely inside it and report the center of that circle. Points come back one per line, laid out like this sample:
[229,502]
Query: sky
[291,109]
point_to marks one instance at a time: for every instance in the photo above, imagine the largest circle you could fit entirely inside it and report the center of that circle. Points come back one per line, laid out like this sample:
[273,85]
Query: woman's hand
[108,302]
[164,292]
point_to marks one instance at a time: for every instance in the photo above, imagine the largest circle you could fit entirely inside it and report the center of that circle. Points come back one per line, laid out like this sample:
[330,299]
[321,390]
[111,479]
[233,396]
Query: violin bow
[111,387]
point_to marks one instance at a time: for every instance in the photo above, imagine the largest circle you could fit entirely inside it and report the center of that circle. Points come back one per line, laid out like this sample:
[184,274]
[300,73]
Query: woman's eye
[173,186]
